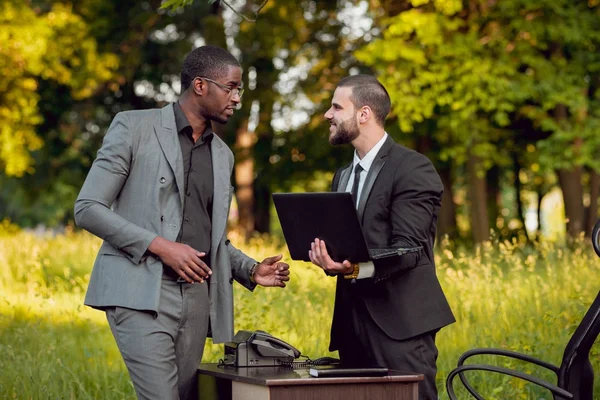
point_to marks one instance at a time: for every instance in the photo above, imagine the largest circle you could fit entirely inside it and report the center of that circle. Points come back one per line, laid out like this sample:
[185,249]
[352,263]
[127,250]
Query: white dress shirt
[366,269]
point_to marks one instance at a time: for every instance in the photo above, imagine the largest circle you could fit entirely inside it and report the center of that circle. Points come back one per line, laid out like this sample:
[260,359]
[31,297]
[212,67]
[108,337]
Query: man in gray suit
[158,193]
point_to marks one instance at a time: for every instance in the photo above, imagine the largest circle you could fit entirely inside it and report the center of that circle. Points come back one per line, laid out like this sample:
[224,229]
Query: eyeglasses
[232,91]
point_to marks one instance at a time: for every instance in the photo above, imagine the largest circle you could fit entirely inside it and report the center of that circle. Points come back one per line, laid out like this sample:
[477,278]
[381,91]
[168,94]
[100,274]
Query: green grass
[527,299]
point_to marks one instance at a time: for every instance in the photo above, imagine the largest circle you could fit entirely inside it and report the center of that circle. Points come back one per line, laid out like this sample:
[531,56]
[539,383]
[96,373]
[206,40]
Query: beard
[213,116]
[345,132]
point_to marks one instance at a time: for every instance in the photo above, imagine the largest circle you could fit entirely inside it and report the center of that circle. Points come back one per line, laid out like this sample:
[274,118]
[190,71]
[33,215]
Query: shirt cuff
[366,270]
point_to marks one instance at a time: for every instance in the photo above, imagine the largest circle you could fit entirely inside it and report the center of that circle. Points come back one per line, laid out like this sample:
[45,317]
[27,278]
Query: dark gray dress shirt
[198,185]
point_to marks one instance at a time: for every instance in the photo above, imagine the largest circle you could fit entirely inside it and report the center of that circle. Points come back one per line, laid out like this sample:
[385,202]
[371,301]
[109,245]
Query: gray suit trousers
[162,352]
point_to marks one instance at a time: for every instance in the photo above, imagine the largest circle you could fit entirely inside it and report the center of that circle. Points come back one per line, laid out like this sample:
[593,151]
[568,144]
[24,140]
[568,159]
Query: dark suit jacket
[398,207]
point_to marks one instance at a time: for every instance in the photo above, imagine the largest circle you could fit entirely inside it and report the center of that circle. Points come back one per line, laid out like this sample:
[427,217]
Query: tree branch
[244,16]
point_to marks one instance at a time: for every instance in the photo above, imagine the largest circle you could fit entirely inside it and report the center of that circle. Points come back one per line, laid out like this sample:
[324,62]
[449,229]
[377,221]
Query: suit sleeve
[415,199]
[240,266]
[240,263]
[106,178]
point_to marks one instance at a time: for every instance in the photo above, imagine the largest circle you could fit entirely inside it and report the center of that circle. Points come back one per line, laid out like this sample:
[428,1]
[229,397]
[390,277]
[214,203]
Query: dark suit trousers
[367,345]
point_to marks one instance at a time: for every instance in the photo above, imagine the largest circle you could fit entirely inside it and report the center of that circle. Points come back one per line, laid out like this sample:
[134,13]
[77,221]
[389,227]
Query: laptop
[332,217]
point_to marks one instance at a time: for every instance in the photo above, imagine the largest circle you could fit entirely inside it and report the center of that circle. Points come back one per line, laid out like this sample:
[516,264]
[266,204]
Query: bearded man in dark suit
[387,311]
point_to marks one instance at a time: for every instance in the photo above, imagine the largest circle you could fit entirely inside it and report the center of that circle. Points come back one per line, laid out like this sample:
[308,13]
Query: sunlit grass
[508,295]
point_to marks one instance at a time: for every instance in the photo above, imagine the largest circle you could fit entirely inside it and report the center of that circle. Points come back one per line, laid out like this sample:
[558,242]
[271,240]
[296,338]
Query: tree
[149,44]
[177,4]
[287,38]
[41,46]
[480,71]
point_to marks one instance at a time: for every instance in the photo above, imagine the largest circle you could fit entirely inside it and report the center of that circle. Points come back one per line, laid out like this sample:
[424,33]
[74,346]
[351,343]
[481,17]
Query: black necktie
[357,170]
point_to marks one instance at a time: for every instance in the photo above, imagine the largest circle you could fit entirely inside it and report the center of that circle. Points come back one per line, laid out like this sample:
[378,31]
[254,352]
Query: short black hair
[209,61]
[368,91]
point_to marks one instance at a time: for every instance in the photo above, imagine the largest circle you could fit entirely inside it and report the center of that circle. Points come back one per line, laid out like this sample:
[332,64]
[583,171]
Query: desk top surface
[280,376]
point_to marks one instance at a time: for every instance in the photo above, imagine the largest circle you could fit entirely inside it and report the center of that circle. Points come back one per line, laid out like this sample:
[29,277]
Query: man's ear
[364,114]
[198,86]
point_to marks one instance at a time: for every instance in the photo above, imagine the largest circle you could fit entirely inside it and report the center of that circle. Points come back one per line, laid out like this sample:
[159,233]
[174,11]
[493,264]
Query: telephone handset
[258,348]
[270,346]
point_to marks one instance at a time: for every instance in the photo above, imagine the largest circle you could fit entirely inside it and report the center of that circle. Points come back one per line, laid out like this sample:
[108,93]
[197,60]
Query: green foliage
[34,46]
[314,51]
[174,4]
[468,78]
[178,4]
[484,70]
[504,294]
[72,128]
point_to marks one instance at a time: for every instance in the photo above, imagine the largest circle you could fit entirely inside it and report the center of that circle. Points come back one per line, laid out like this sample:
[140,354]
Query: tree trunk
[266,76]
[447,217]
[572,189]
[518,190]
[263,180]
[493,197]
[540,197]
[244,178]
[262,203]
[477,201]
[592,210]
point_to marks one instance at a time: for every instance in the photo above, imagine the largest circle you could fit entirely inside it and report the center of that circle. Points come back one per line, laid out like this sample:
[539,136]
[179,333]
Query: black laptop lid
[329,216]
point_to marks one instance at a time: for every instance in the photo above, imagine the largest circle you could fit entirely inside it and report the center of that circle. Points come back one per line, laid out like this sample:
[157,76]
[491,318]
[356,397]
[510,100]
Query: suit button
[231,281]
[162,179]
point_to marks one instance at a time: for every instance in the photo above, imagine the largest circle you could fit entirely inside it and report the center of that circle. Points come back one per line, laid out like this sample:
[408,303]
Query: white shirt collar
[368,159]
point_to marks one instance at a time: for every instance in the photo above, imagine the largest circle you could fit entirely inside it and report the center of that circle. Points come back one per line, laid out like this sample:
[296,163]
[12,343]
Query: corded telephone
[257,349]
[260,349]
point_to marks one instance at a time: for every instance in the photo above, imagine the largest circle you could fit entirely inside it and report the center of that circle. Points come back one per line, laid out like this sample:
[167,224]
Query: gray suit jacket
[133,193]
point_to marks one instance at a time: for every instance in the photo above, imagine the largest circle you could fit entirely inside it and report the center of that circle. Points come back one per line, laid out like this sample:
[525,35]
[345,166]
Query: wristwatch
[252,272]
[354,273]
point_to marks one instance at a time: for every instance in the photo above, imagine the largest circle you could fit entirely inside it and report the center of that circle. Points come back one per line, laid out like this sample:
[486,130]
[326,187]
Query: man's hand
[271,272]
[319,256]
[183,259]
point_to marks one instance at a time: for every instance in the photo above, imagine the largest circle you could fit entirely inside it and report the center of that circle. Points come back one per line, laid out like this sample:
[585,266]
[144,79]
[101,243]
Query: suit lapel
[376,167]
[221,189]
[344,178]
[169,143]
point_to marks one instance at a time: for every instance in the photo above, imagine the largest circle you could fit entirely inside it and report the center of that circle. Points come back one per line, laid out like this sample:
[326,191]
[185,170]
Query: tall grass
[508,295]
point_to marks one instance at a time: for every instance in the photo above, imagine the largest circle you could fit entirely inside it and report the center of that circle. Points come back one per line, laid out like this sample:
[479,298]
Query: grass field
[508,295]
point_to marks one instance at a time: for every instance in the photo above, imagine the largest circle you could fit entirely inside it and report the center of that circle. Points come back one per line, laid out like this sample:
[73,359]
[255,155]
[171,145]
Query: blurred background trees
[503,96]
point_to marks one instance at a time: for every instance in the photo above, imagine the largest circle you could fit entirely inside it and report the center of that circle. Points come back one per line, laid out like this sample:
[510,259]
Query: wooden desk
[279,383]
